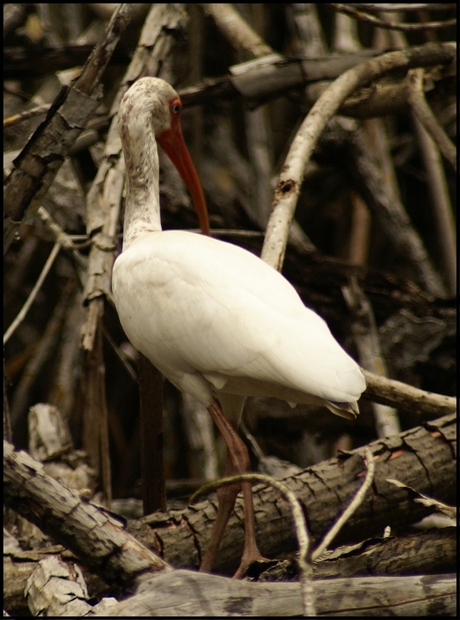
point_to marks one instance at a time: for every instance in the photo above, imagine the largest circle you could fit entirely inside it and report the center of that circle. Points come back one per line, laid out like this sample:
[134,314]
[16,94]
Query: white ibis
[218,322]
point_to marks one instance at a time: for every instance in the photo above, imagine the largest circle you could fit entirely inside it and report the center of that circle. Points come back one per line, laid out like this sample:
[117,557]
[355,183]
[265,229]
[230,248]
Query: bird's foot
[250,556]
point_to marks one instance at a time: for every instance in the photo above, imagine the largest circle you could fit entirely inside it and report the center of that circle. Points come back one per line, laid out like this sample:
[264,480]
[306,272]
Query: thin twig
[118,352]
[427,118]
[378,23]
[24,116]
[300,526]
[62,237]
[356,501]
[233,232]
[25,308]
[398,7]
[45,349]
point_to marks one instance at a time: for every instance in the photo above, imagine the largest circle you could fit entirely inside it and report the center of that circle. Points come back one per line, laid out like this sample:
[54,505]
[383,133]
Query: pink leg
[237,463]
[226,497]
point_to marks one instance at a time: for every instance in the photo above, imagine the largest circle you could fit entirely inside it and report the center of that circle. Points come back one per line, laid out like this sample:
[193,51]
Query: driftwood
[431,552]
[56,587]
[183,593]
[421,458]
[102,544]
[18,566]
[90,532]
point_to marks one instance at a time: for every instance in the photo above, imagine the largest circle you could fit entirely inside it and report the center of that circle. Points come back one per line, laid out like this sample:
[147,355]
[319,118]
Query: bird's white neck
[142,206]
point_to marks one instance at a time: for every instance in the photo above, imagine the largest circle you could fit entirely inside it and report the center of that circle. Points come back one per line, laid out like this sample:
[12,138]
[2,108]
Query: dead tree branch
[424,456]
[378,23]
[39,162]
[92,533]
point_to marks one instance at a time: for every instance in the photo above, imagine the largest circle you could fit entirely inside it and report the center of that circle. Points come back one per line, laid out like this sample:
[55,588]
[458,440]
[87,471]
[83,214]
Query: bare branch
[290,179]
[24,116]
[63,238]
[397,394]
[398,7]
[378,23]
[427,118]
[425,124]
[92,533]
[33,293]
[39,162]
[237,30]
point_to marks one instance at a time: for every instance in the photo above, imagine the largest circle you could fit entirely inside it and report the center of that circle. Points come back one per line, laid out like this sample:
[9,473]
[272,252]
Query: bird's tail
[350,411]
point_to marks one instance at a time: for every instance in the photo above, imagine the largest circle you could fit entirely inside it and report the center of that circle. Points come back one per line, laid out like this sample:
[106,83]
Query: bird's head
[153,102]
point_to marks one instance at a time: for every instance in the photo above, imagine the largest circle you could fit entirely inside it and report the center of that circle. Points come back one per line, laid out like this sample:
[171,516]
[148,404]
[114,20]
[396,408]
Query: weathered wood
[260,83]
[18,565]
[93,534]
[38,163]
[57,588]
[184,593]
[50,442]
[433,551]
[423,458]
[101,543]
[430,552]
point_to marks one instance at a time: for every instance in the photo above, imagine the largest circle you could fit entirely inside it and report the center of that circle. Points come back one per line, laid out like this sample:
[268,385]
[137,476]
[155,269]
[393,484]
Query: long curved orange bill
[173,144]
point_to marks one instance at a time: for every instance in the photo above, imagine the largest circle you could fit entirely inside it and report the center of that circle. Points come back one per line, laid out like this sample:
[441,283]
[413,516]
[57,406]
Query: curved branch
[378,23]
[291,177]
[427,118]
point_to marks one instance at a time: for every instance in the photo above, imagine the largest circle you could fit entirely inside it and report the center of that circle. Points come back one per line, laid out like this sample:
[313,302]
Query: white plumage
[213,318]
